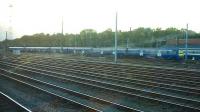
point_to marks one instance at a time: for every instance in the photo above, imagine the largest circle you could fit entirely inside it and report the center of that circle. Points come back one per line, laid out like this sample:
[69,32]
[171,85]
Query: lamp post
[116,40]
[186,43]
[6,45]
[127,40]
[62,25]
[86,36]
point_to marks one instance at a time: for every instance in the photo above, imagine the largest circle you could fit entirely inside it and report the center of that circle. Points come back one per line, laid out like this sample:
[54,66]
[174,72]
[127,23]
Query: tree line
[140,37]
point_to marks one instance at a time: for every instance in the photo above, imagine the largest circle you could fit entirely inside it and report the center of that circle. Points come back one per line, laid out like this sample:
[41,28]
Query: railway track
[37,99]
[129,82]
[122,65]
[107,91]
[86,100]
[108,88]
[101,73]
[136,61]
[185,79]
[7,104]
[127,73]
[196,78]
[109,69]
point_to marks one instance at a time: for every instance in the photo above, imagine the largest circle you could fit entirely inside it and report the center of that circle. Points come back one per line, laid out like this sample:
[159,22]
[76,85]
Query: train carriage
[167,53]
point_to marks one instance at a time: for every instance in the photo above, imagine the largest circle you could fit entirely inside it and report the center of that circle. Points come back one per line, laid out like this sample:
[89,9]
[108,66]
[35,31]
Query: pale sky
[36,16]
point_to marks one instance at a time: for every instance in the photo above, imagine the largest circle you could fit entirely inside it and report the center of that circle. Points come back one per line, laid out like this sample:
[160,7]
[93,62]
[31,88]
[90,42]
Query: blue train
[167,53]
